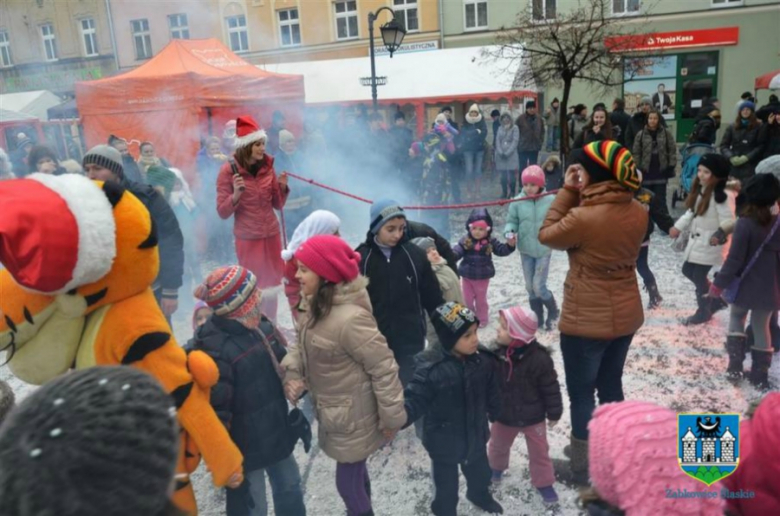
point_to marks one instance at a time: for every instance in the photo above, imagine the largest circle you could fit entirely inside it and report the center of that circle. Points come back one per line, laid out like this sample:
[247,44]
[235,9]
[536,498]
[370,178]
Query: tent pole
[111,33]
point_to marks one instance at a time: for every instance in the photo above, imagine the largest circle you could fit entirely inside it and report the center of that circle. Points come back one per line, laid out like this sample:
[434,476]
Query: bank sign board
[669,40]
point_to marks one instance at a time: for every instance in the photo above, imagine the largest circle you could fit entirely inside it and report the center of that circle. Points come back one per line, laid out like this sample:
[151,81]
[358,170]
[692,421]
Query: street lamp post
[392,36]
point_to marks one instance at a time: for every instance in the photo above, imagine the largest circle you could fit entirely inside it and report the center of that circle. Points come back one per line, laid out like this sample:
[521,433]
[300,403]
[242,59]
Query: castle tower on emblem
[710,447]
[689,446]
[727,446]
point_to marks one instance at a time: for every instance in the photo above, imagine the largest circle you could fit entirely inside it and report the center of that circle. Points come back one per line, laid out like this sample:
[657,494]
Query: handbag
[730,293]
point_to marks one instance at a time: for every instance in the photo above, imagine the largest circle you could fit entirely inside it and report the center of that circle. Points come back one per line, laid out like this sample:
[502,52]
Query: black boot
[759,373]
[537,307]
[552,312]
[717,304]
[703,313]
[485,501]
[655,296]
[735,346]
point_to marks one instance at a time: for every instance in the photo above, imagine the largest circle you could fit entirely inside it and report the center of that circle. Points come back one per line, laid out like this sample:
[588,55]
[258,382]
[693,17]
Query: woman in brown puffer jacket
[345,363]
[595,219]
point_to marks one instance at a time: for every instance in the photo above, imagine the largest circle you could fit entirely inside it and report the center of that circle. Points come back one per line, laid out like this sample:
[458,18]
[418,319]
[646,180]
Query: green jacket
[525,218]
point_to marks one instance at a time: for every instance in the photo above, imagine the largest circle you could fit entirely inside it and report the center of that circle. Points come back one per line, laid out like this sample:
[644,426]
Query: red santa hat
[56,232]
[248,132]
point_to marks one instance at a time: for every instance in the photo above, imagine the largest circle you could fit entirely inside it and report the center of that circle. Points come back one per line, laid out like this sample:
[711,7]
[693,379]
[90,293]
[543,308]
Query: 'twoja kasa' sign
[679,39]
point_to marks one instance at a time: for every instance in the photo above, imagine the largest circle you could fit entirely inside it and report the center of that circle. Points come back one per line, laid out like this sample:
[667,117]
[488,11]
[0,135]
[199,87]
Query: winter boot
[548,493]
[537,307]
[735,346]
[552,312]
[496,476]
[759,374]
[717,304]
[485,501]
[703,313]
[574,472]
[655,296]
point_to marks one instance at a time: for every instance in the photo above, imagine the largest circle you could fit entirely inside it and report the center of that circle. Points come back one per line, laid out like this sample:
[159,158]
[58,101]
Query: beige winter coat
[351,375]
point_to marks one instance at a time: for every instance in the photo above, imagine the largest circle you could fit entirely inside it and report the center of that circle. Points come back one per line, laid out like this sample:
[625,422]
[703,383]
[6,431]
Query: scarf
[471,118]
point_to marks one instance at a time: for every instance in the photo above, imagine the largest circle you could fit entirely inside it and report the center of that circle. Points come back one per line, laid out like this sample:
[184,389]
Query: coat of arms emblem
[708,445]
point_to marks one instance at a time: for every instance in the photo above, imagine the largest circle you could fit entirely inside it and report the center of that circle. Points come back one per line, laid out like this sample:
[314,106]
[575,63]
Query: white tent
[33,103]
[14,116]
[422,77]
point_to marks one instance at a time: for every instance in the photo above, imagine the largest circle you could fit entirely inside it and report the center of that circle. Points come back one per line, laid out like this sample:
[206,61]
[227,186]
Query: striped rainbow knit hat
[616,159]
[232,292]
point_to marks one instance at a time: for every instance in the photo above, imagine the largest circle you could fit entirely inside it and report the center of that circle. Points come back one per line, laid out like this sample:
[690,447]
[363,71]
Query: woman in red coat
[247,187]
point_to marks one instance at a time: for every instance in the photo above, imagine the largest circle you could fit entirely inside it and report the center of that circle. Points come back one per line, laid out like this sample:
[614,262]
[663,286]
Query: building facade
[275,31]
[50,45]
[142,29]
[712,48]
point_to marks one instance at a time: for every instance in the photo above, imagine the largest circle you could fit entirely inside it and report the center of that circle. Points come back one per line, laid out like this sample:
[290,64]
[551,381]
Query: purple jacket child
[477,256]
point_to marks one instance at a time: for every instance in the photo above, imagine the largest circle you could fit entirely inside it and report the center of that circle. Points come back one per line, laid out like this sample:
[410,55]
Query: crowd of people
[387,333]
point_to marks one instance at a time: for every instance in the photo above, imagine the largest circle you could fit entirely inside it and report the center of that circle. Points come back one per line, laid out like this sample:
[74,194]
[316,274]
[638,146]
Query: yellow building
[274,31]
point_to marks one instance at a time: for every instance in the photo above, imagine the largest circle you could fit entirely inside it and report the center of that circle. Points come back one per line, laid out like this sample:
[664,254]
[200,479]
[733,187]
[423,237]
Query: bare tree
[585,44]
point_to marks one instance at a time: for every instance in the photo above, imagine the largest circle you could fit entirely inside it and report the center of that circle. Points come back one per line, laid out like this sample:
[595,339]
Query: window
[726,3]
[142,39]
[625,7]
[5,50]
[289,28]
[177,23]
[89,37]
[406,14]
[239,40]
[346,20]
[476,14]
[544,9]
[49,42]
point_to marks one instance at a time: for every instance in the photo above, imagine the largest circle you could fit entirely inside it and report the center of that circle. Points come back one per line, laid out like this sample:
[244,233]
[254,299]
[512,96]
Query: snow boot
[485,501]
[655,296]
[759,374]
[703,313]
[717,304]
[537,307]
[549,496]
[552,312]
[574,472]
[735,346]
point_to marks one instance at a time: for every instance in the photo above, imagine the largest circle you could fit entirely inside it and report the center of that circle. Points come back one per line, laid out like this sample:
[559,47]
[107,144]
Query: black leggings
[698,275]
[643,268]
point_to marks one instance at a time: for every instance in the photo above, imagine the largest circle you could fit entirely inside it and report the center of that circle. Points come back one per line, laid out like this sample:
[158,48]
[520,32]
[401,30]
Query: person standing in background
[130,167]
[531,129]
[277,125]
[620,120]
[248,189]
[552,117]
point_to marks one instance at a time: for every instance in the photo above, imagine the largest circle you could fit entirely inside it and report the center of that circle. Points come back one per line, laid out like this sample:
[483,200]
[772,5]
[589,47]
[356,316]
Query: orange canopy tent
[176,98]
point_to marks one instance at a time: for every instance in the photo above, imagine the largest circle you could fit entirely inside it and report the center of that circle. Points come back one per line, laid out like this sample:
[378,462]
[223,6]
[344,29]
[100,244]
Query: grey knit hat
[646,100]
[105,156]
[424,243]
[91,443]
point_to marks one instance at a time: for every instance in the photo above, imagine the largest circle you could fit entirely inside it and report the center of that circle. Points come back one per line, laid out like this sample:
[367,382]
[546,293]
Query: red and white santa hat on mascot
[56,232]
[248,132]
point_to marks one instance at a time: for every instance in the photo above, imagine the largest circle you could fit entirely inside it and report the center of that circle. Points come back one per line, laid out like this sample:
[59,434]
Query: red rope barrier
[485,204]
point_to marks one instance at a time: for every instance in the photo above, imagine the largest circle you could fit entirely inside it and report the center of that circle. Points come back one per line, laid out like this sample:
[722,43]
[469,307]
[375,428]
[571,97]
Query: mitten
[738,161]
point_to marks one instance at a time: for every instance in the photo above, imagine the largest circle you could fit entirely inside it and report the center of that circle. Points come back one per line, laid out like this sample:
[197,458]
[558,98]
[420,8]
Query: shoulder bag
[730,293]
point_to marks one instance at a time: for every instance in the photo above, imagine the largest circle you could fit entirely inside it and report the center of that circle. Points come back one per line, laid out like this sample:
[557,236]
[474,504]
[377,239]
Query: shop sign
[59,80]
[423,46]
[668,40]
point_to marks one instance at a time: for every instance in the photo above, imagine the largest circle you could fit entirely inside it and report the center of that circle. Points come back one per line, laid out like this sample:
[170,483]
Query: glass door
[697,80]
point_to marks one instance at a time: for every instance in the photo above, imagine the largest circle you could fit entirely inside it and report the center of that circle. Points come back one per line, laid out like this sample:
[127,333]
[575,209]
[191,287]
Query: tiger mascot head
[69,246]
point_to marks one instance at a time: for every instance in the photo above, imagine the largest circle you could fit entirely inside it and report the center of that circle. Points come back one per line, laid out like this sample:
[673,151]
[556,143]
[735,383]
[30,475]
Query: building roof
[727,436]
[32,103]
[689,435]
[14,116]
[438,75]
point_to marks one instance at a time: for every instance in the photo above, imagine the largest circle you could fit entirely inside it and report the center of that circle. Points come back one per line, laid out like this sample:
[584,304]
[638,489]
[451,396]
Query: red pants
[475,296]
[264,258]
[500,444]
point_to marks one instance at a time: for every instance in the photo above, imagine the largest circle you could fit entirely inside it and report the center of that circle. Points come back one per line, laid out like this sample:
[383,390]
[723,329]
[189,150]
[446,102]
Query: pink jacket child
[247,188]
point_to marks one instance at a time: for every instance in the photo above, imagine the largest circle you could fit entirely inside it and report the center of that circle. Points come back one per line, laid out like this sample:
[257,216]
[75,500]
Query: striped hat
[616,159]
[521,323]
[232,292]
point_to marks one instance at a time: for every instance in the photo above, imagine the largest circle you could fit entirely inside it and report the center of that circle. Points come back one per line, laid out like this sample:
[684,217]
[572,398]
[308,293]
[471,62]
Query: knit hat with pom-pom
[232,292]
[632,449]
[92,442]
[533,175]
[329,257]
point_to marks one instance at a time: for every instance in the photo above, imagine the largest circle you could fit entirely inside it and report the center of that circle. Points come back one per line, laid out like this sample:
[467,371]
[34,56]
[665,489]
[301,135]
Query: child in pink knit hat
[633,463]
[530,393]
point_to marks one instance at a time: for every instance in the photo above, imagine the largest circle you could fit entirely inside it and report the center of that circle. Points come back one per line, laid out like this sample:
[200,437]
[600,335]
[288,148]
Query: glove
[720,236]
[300,428]
[738,161]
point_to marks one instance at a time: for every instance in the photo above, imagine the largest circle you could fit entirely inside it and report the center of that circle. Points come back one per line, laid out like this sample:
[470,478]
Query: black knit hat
[530,104]
[94,442]
[762,190]
[596,172]
[451,321]
[105,156]
[718,164]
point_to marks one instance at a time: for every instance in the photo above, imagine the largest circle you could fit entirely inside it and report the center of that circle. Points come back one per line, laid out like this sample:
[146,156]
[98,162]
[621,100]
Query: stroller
[690,162]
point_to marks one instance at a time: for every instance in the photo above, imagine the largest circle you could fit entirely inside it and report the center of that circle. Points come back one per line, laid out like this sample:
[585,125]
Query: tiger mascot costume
[80,258]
